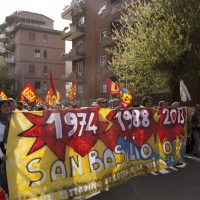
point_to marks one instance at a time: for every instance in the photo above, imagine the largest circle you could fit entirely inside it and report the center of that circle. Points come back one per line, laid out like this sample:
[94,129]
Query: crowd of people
[7,107]
[194,122]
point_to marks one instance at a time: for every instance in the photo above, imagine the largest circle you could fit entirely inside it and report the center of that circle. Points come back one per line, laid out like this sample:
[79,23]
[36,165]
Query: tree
[160,42]
[3,76]
[7,79]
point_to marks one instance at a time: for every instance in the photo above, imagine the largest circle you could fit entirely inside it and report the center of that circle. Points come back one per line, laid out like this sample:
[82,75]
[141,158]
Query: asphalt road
[176,183]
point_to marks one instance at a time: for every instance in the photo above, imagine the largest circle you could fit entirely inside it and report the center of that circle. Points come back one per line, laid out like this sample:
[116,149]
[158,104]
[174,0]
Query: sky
[49,8]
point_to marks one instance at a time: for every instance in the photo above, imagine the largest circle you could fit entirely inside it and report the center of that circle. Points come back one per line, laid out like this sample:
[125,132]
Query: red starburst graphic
[46,133]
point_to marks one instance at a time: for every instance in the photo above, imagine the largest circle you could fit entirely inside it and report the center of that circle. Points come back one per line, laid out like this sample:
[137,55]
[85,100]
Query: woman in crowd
[147,102]
[101,102]
[163,104]
[5,114]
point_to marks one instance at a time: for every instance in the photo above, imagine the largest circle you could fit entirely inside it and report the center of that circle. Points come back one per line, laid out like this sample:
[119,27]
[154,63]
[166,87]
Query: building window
[45,53]
[103,61]
[79,89]
[79,69]
[45,38]
[37,53]
[102,7]
[31,36]
[32,69]
[45,70]
[37,85]
[102,35]
[103,88]
[45,85]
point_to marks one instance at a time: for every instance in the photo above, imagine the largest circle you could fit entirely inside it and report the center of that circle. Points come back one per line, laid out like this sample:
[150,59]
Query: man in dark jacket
[195,124]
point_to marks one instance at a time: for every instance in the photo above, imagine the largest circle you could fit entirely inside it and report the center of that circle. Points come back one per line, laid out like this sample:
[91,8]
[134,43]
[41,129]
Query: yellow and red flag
[53,95]
[39,100]
[126,96]
[3,95]
[28,93]
[113,87]
[49,99]
[72,92]
[21,98]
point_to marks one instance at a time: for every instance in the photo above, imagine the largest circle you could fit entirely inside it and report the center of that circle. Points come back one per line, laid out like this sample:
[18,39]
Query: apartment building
[91,32]
[32,49]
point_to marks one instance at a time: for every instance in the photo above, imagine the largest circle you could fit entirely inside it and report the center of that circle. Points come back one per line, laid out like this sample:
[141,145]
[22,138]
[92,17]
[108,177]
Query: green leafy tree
[7,79]
[3,76]
[160,42]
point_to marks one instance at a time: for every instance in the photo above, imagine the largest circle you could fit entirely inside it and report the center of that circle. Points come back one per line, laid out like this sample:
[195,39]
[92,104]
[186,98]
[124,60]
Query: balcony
[73,9]
[74,32]
[108,41]
[74,76]
[3,38]
[9,31]
[3,52]
[75,54]
[2,27]
[113,11]
[10,60]
[10,46]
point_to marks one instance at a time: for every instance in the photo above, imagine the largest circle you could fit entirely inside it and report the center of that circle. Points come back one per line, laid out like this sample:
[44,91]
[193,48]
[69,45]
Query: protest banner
[75,153]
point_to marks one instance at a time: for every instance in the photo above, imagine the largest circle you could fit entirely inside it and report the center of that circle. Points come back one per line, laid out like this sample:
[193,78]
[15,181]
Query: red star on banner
[44,129]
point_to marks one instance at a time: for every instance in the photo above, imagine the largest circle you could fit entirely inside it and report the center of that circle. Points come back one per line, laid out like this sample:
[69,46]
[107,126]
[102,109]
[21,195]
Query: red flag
[50,100]
[72,92]
[3,95]
[39,100]
[54,95]
[28,93]
[126,96]
[112,87]
[21,98]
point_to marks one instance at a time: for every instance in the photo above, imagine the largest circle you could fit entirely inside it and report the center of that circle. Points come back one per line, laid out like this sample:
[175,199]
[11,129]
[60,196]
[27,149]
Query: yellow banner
[75,153]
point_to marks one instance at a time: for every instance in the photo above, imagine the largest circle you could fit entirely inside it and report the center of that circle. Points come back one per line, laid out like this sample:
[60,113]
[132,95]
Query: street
[176,183]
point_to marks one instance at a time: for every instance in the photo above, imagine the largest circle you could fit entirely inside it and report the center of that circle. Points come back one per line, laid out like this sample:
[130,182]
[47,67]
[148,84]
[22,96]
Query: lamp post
[4,50]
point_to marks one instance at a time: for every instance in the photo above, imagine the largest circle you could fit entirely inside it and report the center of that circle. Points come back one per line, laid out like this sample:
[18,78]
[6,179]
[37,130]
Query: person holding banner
[5,114]
[115,104]
[94,104]
[57,106]
[76,105]
[12,104]
[176,104]
[102,102]
[162,104]
[195,124]
[147,101]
